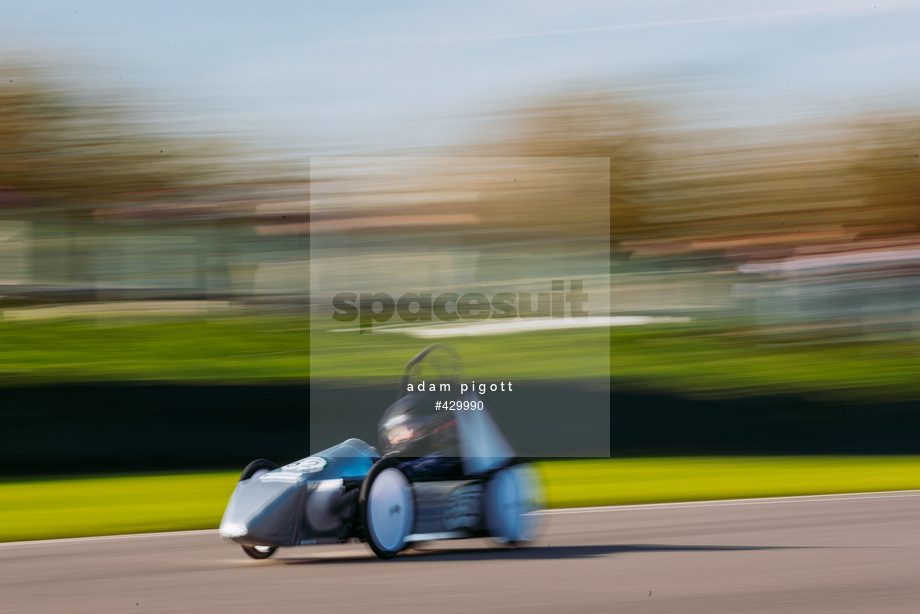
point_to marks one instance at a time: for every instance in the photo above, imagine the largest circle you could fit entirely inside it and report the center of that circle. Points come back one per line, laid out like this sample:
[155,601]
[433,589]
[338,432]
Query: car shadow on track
[548,552]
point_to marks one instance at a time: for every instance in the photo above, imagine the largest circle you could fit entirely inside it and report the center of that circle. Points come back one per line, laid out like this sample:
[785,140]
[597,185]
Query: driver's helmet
[411,426]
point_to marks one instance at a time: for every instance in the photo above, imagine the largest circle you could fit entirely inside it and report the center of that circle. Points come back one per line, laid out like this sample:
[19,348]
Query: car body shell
[315,500]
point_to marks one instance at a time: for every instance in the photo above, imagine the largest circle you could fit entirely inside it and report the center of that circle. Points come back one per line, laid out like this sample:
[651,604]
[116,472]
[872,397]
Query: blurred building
[256,248]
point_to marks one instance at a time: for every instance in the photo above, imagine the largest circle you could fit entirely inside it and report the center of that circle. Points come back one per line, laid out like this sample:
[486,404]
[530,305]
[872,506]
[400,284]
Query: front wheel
[259,552]
[253,470]
[387,508]
[257,468]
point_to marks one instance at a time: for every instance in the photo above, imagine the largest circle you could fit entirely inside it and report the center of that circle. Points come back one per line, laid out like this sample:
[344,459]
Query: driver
[411,427]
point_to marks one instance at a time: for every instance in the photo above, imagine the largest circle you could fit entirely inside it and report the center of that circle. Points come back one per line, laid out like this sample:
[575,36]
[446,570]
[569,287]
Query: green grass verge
[657,480]
[79,507]
[43,509]
[694,359]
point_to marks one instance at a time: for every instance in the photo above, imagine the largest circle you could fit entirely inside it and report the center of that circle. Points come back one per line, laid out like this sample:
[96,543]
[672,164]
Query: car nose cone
[263,510]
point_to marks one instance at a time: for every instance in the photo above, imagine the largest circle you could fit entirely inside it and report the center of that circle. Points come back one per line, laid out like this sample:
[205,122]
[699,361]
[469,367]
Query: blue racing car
[445,474]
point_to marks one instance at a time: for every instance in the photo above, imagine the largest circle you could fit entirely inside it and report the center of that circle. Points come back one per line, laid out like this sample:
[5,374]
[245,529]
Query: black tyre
[259,552]
[257,468]
[253,470]
[387,508]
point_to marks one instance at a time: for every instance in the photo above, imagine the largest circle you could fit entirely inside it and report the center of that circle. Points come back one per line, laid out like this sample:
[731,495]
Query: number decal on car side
[311,464]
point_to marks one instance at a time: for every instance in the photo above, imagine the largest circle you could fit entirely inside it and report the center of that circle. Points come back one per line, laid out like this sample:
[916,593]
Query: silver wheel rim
[390,510]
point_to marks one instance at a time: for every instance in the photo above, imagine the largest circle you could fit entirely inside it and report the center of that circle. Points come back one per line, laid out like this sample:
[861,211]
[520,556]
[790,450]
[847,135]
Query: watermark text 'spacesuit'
[371,307]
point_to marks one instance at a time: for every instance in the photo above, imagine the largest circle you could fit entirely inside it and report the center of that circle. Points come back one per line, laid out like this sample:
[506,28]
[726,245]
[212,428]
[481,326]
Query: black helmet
[406,424]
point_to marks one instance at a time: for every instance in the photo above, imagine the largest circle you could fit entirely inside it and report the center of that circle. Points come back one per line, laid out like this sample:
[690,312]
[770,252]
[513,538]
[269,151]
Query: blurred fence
[72,429]
[208,250]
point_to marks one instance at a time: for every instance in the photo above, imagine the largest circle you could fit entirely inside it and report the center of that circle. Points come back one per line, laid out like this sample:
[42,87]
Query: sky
[324,78]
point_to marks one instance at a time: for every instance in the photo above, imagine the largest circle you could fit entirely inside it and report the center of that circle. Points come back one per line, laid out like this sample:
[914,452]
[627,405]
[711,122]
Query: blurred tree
[576,125]
[888,168]
[668,183]
[64,151]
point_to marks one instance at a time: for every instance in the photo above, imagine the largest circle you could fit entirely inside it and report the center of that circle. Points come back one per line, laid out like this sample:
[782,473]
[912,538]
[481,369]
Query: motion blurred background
[763,169]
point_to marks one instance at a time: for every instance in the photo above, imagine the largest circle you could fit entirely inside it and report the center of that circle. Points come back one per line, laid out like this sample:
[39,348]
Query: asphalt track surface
[842,553]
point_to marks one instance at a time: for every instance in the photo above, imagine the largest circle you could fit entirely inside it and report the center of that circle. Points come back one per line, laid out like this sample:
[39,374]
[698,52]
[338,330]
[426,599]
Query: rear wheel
[387,508]
[253,470]
[512,496]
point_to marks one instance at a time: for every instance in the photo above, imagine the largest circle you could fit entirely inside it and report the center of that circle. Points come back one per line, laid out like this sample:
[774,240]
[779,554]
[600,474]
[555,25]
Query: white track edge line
[104,538]
[881,494]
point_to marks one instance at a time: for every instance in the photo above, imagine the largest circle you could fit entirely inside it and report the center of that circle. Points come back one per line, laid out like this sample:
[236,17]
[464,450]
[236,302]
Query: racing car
[438,474]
